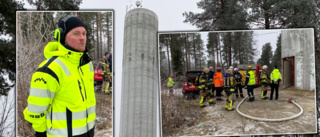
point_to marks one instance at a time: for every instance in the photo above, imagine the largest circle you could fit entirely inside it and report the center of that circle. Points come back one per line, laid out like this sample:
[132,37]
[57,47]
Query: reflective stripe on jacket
[264,77]
[252,79]
[62,100]
[229,82]
[218,79]
[203,81]
[275,75]
[238,78]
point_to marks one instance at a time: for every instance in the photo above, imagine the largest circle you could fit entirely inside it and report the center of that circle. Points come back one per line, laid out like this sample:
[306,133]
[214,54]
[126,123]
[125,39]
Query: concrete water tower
[139,75]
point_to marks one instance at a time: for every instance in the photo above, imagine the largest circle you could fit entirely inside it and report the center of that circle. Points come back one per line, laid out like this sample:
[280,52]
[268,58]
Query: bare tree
[100,24]
[194,52]
[98,43]
[172,64]
[167,42]
[7,121]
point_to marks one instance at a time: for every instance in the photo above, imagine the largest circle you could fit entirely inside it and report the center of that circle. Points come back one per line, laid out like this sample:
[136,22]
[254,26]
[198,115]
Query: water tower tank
[139,75]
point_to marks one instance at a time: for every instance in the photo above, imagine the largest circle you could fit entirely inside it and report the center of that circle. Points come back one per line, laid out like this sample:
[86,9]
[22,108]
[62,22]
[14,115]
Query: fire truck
[255,68]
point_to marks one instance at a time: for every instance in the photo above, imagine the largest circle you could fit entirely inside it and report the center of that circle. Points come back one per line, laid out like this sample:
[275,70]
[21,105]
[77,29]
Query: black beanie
[71,23]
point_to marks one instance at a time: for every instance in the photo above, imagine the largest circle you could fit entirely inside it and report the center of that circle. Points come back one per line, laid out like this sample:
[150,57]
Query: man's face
[107,56]
[76,38]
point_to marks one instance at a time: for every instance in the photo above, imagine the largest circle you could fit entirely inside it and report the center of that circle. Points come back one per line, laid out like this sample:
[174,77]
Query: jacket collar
[75,57]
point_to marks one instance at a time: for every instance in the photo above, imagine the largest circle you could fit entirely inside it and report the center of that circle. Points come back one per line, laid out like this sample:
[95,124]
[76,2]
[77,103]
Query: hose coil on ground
[266,119]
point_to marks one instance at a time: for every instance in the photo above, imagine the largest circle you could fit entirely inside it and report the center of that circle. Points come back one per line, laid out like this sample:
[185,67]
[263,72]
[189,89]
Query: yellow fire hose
[273,120]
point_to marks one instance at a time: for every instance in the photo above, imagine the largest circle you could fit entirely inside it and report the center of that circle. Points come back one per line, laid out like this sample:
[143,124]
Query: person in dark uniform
[238,86]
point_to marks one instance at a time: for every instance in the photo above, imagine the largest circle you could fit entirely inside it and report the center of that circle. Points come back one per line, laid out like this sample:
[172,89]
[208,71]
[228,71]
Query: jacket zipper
[85,93]
[80,90]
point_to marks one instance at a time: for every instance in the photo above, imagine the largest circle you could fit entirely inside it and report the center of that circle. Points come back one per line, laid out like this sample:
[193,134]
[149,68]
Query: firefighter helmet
[206,70]
[249,67]
[235,69]
[264,67]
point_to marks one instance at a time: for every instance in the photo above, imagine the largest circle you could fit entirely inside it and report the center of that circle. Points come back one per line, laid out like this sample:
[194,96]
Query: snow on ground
[9,124]
[218,121]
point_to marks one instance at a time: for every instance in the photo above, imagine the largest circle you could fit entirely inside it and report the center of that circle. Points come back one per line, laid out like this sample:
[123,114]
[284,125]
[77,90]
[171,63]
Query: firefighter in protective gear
[170,84]
[211,85]
[204,90]
[238,85]
[275,78]
[62,100]
[106,86]
[250,83]
[264,81]
[218,83]
[229,85]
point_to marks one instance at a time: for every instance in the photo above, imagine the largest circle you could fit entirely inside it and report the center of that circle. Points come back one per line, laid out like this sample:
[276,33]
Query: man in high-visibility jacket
[170,84]
[264,81]
[250,83]
[229,83]
[62,100]
[204,88]
[107,73]
[275,78]
[218,83]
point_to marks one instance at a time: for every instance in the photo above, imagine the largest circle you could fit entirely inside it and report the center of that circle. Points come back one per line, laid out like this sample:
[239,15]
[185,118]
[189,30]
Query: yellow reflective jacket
[170,83]
[264,77]
[203,81]
[251,78]
[275,75]
[229,82]
[62,100]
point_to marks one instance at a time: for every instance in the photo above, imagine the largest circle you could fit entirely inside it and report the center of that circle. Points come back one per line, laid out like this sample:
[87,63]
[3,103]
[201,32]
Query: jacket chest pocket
[74,92]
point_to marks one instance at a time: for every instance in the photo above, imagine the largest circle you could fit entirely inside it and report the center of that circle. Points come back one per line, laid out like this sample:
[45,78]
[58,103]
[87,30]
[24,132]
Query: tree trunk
[188,48]
[213,58]
[221,65]
[194,53]
[95,50]
[39,5]
[217,47]
[167,41]
[199,58]
[186,52]
[171,54]
[97,46]
[108,33]
[266,20]
[266,15]
[101,43]
[240,46]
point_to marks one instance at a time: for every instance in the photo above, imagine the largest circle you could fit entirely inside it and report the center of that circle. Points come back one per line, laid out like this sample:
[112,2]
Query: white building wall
[299,43]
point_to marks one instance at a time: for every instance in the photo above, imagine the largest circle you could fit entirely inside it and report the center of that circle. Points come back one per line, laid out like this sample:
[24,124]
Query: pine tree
[55,4]
[7,45]
[218,15]
[266,56]
[276,59]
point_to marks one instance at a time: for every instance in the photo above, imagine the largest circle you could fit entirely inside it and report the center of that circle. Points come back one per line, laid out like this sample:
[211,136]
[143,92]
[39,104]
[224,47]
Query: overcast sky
[170,18]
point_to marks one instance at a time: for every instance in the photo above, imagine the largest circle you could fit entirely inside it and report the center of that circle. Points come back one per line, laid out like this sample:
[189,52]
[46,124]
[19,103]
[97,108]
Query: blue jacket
[211,73]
